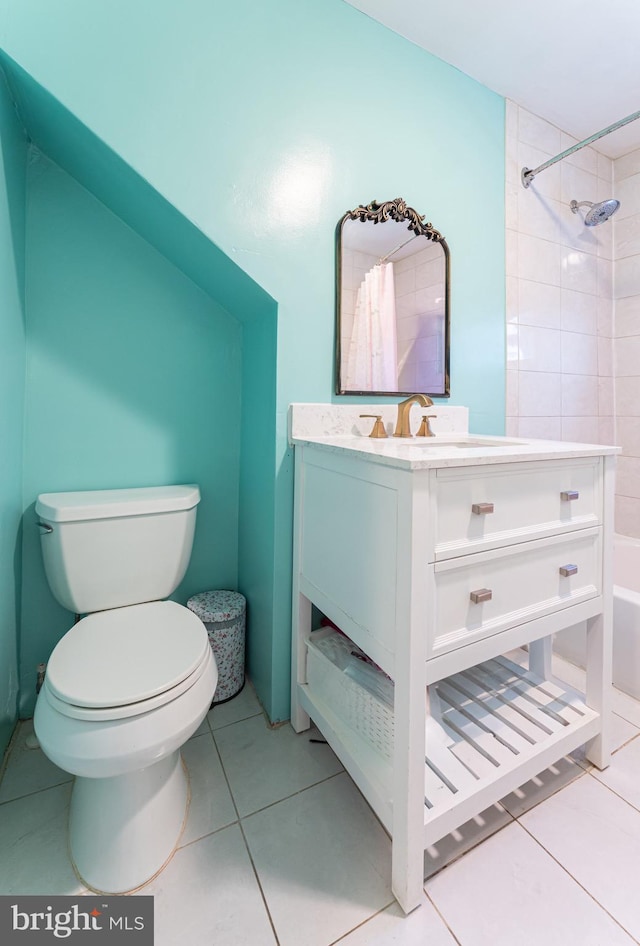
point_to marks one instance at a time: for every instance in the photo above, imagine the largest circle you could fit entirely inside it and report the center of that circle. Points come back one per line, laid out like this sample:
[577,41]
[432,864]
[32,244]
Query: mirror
[392,303]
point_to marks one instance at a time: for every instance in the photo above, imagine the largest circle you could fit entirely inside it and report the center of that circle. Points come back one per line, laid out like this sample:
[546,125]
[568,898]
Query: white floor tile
[542,786]
[208,896]
[622,732]
[323,860]
[33,842]
[508,890]
[625,706]
[265,765]
[622,774]
[28,770]
[242,706]
[391,927]
[596,837]
[211,805]
[457,843]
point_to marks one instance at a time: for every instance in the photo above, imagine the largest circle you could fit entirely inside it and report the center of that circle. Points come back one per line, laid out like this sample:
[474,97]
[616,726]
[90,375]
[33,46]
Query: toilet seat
[126,661]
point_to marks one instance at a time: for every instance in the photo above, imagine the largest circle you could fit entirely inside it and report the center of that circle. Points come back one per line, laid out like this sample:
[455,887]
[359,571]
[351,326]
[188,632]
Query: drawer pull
[481,509]
[567,570]
[569,494]
[482,594]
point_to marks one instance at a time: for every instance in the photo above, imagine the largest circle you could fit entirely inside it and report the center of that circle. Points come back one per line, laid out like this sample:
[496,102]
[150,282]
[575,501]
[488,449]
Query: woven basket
[372,718]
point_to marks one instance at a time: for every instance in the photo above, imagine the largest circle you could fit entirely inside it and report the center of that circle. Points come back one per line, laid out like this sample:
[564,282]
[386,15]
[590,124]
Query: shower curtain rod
[383,259]
[528,175]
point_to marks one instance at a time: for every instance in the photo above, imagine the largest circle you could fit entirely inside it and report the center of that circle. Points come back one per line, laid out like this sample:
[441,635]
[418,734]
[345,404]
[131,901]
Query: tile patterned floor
[280,848]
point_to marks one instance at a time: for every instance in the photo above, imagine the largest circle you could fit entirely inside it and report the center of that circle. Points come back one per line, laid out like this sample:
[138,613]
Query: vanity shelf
[495,725]
[436,562]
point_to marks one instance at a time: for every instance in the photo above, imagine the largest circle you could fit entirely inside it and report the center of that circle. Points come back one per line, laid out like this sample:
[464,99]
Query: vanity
[436,557]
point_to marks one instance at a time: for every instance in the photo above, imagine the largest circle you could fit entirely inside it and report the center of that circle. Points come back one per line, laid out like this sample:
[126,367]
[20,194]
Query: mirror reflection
[392,301]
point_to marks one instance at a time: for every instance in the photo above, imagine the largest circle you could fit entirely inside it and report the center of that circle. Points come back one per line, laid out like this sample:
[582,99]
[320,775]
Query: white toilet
[130,682]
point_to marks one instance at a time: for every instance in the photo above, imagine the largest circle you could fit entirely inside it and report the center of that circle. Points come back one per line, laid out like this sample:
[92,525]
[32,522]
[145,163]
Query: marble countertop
[342,431]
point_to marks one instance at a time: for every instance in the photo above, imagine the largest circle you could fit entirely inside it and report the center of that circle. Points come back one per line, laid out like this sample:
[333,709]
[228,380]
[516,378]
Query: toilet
[130,682]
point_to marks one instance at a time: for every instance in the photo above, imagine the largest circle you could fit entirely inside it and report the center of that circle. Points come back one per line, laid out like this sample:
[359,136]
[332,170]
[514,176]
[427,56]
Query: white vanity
[436,557]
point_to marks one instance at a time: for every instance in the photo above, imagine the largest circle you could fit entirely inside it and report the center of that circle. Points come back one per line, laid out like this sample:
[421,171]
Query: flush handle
[568,495]
[482,594]
[482,509]
[567,570]
[45,528]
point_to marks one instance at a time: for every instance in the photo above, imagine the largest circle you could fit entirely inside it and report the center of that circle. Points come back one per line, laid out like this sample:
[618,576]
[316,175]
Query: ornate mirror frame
[379,213]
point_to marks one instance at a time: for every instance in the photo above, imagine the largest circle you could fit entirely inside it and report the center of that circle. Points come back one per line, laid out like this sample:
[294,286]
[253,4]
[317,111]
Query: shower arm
[527,175]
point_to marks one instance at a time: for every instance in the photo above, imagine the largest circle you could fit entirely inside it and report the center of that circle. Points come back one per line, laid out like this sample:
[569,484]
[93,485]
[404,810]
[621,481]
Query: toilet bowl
[125,687]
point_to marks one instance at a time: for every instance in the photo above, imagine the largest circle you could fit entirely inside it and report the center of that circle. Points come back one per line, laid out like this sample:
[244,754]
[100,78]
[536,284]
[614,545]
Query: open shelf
[489,729]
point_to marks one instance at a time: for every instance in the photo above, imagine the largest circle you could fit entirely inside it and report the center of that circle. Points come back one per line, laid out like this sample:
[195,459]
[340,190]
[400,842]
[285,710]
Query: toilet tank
[111,548]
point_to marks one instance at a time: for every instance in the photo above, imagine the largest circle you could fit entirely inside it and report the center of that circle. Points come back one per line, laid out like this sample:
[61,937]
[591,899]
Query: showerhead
[597,213]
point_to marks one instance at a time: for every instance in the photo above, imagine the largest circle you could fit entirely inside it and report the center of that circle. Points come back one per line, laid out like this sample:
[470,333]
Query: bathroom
[108,244]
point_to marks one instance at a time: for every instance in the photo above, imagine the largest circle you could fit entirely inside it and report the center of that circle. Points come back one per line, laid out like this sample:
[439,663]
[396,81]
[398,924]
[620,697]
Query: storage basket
[331,658]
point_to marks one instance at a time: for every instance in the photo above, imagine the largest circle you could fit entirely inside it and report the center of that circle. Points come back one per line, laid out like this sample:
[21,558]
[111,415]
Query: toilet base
[123,830]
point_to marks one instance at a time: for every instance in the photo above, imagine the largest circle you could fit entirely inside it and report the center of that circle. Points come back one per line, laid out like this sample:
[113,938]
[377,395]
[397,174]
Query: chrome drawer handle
[567,570]
[569,494]
[482,594]
[481,509]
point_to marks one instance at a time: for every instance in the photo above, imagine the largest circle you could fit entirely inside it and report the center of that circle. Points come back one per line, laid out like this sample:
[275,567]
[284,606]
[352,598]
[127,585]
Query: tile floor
[280,848]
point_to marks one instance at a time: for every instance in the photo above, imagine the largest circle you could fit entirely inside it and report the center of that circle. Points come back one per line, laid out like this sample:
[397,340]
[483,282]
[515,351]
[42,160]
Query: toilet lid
[113,658]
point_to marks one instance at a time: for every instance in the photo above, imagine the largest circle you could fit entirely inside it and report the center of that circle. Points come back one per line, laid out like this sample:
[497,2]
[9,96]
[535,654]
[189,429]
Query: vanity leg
[301,631]
[599,685]
[540,657]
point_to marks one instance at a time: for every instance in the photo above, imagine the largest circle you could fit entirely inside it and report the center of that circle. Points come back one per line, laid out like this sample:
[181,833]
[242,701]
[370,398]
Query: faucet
[403,427]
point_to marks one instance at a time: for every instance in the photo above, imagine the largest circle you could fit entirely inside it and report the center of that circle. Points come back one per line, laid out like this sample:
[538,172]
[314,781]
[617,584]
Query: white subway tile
[513,347]
[627,277]
[512,392]
[579,271]
[627,516]
[547,182]
[579,396]
[539,260]
[606,397]
[511,253]
[605,168]
[539,394]
[579,312]
[628,476]
[536,131]
[512,298]
[511,196]
[628,396]
[627,356]
[579,353]
[627,235]
[605,357]
[511,110]
[585,158]
[539,215]
[626,165]
[627,316]
[580,429]
[607,430]
[539,304]
[628,431]
[605,278]
[577,184]
[540,349]
[605,316]
[628,193]
[541,428]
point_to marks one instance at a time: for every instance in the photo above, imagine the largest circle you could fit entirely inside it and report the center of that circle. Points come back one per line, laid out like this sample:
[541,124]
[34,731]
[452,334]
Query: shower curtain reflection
[372,358]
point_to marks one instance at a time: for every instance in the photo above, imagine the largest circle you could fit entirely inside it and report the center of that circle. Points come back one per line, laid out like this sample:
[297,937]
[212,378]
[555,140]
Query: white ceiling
[574,62]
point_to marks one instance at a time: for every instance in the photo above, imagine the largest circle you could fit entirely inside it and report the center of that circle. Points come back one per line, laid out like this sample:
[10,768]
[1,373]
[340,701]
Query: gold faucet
[403,427]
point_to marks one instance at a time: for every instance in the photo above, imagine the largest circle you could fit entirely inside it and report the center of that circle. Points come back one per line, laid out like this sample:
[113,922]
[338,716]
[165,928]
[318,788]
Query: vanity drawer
[480,508]
[481,595]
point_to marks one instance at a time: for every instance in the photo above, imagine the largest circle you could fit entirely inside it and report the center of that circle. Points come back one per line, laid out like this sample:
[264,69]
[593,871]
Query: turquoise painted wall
[127,363]
[13,163]
[261,124]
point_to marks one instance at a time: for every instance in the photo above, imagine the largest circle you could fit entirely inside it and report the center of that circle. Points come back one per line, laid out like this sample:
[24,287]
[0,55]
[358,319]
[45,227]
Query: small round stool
[223,613]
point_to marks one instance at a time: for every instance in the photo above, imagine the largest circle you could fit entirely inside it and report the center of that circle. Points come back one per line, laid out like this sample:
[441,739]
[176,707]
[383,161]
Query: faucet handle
[378,430]
[425,426]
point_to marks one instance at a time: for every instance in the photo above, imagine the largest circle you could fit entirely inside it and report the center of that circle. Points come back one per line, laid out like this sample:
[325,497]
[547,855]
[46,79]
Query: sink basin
[474,444]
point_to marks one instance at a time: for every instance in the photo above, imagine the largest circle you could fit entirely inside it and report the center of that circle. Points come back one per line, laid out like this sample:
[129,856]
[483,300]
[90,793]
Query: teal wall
[127,363]
[261,124]
[13,163]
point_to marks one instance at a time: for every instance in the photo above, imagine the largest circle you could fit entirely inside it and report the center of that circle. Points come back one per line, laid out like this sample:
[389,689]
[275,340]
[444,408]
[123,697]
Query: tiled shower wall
[627,341]
[559,289]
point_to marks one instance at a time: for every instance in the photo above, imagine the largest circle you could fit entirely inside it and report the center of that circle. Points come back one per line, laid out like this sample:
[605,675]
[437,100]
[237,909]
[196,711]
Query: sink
[474,444]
